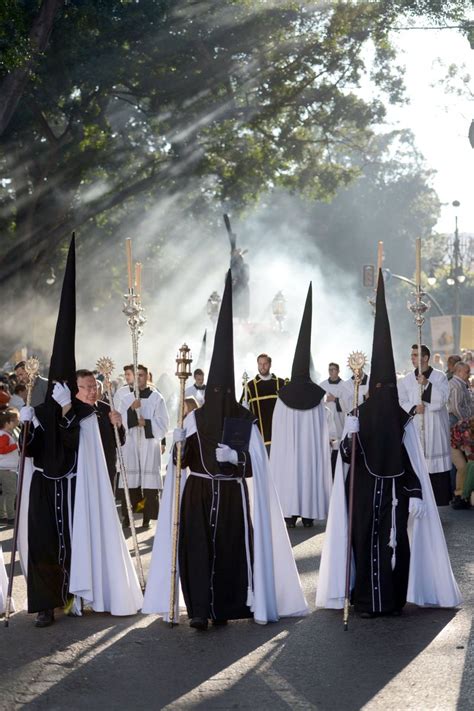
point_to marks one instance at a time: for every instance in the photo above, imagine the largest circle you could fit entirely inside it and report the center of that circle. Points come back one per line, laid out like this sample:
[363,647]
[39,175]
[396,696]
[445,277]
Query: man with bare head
[261,395]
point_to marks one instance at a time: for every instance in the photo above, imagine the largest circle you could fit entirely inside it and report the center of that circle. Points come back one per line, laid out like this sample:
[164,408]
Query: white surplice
[435,418]
[338,409]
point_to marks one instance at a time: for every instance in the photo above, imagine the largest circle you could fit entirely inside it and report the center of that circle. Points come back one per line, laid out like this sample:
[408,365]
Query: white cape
[277,589]
[3,585]
[300,460]
[102,572]
[431,581]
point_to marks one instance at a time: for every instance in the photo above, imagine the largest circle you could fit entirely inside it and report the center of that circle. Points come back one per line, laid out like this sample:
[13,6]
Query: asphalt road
[422,660]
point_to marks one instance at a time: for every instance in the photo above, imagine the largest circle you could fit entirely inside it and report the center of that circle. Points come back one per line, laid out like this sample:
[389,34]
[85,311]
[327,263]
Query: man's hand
[352,424]
[136,404]
[62,394]
[115,418]
[419,409]
[330,397]
[141,422]
[224,453]
[417,508]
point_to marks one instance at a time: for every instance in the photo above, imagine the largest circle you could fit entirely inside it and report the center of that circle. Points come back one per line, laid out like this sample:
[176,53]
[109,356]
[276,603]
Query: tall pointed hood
[220,389]
[301,393]
[63,360]
[58,461]
[382,420]
[221,370]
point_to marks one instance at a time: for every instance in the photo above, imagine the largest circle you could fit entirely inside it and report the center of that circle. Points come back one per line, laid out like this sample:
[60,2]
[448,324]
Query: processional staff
[31,368]
[183,372]
[105,366]
[356,363]
[418,307]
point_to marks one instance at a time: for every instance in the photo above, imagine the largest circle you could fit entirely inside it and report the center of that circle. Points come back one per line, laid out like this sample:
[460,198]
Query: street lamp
[279,309]
[431,278]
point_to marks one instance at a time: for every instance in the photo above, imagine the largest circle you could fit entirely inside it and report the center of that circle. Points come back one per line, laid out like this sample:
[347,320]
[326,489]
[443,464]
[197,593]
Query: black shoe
[290,521]
[45,618]
[459,503]
[199,623]
[308,522]
[219,623]
[367,615]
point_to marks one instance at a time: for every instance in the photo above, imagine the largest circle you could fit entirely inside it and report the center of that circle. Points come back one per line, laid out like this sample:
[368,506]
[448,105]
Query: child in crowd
[9,457]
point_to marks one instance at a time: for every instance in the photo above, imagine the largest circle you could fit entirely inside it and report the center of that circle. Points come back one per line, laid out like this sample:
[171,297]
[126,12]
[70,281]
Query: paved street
[423,660]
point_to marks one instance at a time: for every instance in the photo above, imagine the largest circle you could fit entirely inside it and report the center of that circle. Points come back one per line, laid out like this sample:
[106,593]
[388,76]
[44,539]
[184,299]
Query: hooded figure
[235,559]
[71,543]
[392,495]
[300,459]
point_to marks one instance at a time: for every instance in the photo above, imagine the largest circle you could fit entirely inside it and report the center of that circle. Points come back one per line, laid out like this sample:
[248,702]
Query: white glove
[352,424]
[26,413]
[62,394]
[417,508]
[225,454]
[179,434]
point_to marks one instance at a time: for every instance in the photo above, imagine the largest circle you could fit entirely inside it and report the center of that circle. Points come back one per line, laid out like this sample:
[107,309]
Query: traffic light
[368,275]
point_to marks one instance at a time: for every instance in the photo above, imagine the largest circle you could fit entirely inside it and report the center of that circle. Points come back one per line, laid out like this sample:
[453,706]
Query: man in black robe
[386,488]
[215,543]
[261,394]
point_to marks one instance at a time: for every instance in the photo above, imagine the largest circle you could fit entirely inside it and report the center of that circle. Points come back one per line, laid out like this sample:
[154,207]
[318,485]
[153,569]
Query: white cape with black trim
[3,585]
[102,572]
[431,581]
[277,588]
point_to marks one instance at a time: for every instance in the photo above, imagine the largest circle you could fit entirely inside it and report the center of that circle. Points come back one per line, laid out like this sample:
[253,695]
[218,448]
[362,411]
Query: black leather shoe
[199,623]
[45,618]
[458,503]
[290,521]
[367,615]
[308,522]
[219,623]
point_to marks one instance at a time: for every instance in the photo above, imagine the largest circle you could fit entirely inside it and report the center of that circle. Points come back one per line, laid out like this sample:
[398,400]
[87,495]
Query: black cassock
[379,588]
[212,545]
[50,512]
[261,397]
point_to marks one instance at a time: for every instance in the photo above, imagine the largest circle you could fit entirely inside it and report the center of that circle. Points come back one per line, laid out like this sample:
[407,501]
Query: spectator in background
[4,395]
[38,394]
[438,362]
[452,360]
[459,401]
[18,399]
[462,454]
[8,464]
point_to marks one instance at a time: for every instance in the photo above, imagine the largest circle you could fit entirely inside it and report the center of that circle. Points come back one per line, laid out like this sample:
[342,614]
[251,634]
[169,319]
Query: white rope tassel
[393,530]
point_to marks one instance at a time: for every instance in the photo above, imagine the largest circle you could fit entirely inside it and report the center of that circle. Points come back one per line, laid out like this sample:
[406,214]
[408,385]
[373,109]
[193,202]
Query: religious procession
[236,371]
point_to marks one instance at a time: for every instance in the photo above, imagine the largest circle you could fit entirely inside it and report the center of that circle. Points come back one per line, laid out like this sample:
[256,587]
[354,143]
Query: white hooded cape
[300,460]
[431,581]
[102,572]
[277,589]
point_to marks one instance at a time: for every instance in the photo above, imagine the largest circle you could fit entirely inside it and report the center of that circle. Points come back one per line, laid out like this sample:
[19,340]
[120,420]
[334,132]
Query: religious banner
[442,333]
[467,333]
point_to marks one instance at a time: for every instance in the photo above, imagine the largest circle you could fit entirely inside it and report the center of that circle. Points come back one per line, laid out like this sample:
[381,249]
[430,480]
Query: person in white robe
[431,416]
[198,389]
[300,458]
[347,395]
[146,422]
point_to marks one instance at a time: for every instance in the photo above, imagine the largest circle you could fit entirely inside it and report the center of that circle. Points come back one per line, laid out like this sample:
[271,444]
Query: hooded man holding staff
[235,559]
[76,549]
[392,493]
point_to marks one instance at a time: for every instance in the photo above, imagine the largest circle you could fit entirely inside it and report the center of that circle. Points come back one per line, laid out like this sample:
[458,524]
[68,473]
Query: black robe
[261,397]
[212,552]
[378,588]
[50,513]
